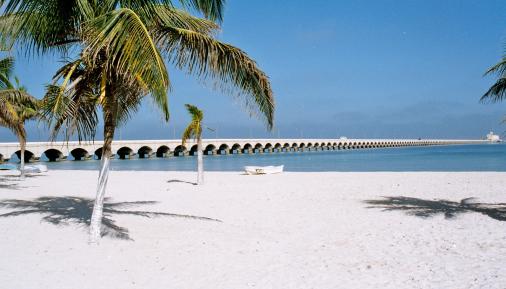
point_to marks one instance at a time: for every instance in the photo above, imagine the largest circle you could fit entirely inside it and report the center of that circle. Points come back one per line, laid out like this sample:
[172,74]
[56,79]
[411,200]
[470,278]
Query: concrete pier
[127,149]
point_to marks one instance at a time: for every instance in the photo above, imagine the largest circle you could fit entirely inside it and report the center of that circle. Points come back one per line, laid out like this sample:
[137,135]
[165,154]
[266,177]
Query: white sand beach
[293,230]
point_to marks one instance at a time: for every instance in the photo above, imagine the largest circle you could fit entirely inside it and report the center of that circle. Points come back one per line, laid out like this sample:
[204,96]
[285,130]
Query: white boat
[254,170]
[35,169]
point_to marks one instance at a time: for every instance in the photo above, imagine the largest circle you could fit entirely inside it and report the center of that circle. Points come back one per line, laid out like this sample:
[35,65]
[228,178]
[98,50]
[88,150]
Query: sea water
[484,157]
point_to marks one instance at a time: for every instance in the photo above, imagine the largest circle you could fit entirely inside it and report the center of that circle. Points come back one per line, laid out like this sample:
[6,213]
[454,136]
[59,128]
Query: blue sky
[356,68]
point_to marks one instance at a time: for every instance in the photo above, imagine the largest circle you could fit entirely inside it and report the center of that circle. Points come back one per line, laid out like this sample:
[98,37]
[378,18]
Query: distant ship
[491,137]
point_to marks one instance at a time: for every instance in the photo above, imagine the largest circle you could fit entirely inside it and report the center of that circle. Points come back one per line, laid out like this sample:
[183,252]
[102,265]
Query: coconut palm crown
[194,129]
[16,106]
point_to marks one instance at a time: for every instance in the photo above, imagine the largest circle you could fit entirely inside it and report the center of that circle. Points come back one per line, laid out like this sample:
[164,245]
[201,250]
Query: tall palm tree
[16,107]
[497,92]
[124,47]
[194,131]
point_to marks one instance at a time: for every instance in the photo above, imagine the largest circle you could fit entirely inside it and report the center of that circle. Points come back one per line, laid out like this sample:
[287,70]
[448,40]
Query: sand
[294,230]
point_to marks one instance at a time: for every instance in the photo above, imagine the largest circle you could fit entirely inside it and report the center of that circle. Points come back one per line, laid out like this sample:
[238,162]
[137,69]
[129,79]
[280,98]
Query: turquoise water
[487,157]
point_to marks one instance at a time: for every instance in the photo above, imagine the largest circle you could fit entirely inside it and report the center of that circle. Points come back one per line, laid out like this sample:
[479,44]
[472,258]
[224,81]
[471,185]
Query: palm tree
[497,92]
[194,130]
[124,47]
[16,107]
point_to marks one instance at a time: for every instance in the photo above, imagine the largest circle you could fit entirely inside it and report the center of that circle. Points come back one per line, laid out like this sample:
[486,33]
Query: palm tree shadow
[181,181]
[11,183]
[10,186]
[429,208]
[76,210]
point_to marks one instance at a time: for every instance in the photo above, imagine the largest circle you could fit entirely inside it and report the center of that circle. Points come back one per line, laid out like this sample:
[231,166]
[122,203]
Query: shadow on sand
[181,181]
[428,208]
[10,186]
[12,182]
[75,210]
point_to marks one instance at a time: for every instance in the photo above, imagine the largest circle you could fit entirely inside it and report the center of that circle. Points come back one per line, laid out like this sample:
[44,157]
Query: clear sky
[365,69]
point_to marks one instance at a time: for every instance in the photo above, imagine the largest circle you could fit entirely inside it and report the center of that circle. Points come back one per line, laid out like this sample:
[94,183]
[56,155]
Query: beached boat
[35,169]
[254,170]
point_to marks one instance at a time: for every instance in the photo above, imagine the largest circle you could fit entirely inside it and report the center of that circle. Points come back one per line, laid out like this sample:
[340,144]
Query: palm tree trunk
[21,133]
[22,144]
[200,162]
[96,217]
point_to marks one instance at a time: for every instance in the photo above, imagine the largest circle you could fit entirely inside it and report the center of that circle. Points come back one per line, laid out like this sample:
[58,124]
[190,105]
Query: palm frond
[6,68]
[195,112]
[499,68]
[71,107]
[206,57]
[497,92]
[15,108]
[188,133]
[194,129]
[8,114]
[18,98]
[163,15]
[43,26]
[73,112]
[129,51]
[212,9]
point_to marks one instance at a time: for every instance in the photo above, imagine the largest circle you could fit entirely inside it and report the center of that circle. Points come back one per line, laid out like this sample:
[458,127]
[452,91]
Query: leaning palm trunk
[200,162]
[103,177]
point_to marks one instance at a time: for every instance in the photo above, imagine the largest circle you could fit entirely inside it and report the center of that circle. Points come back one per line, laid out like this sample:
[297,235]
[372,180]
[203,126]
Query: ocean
[458,158]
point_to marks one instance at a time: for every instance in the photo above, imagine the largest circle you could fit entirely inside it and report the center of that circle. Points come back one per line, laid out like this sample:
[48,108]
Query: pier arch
[79,154]
[258,148]
[125,153]
[145,152]
[162,152]
[98,154]
[180,151]
[210,149]
[223,149]
[268,147]
[236,148]
[53,155]
[29,156]
[247,148]
[194,150]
